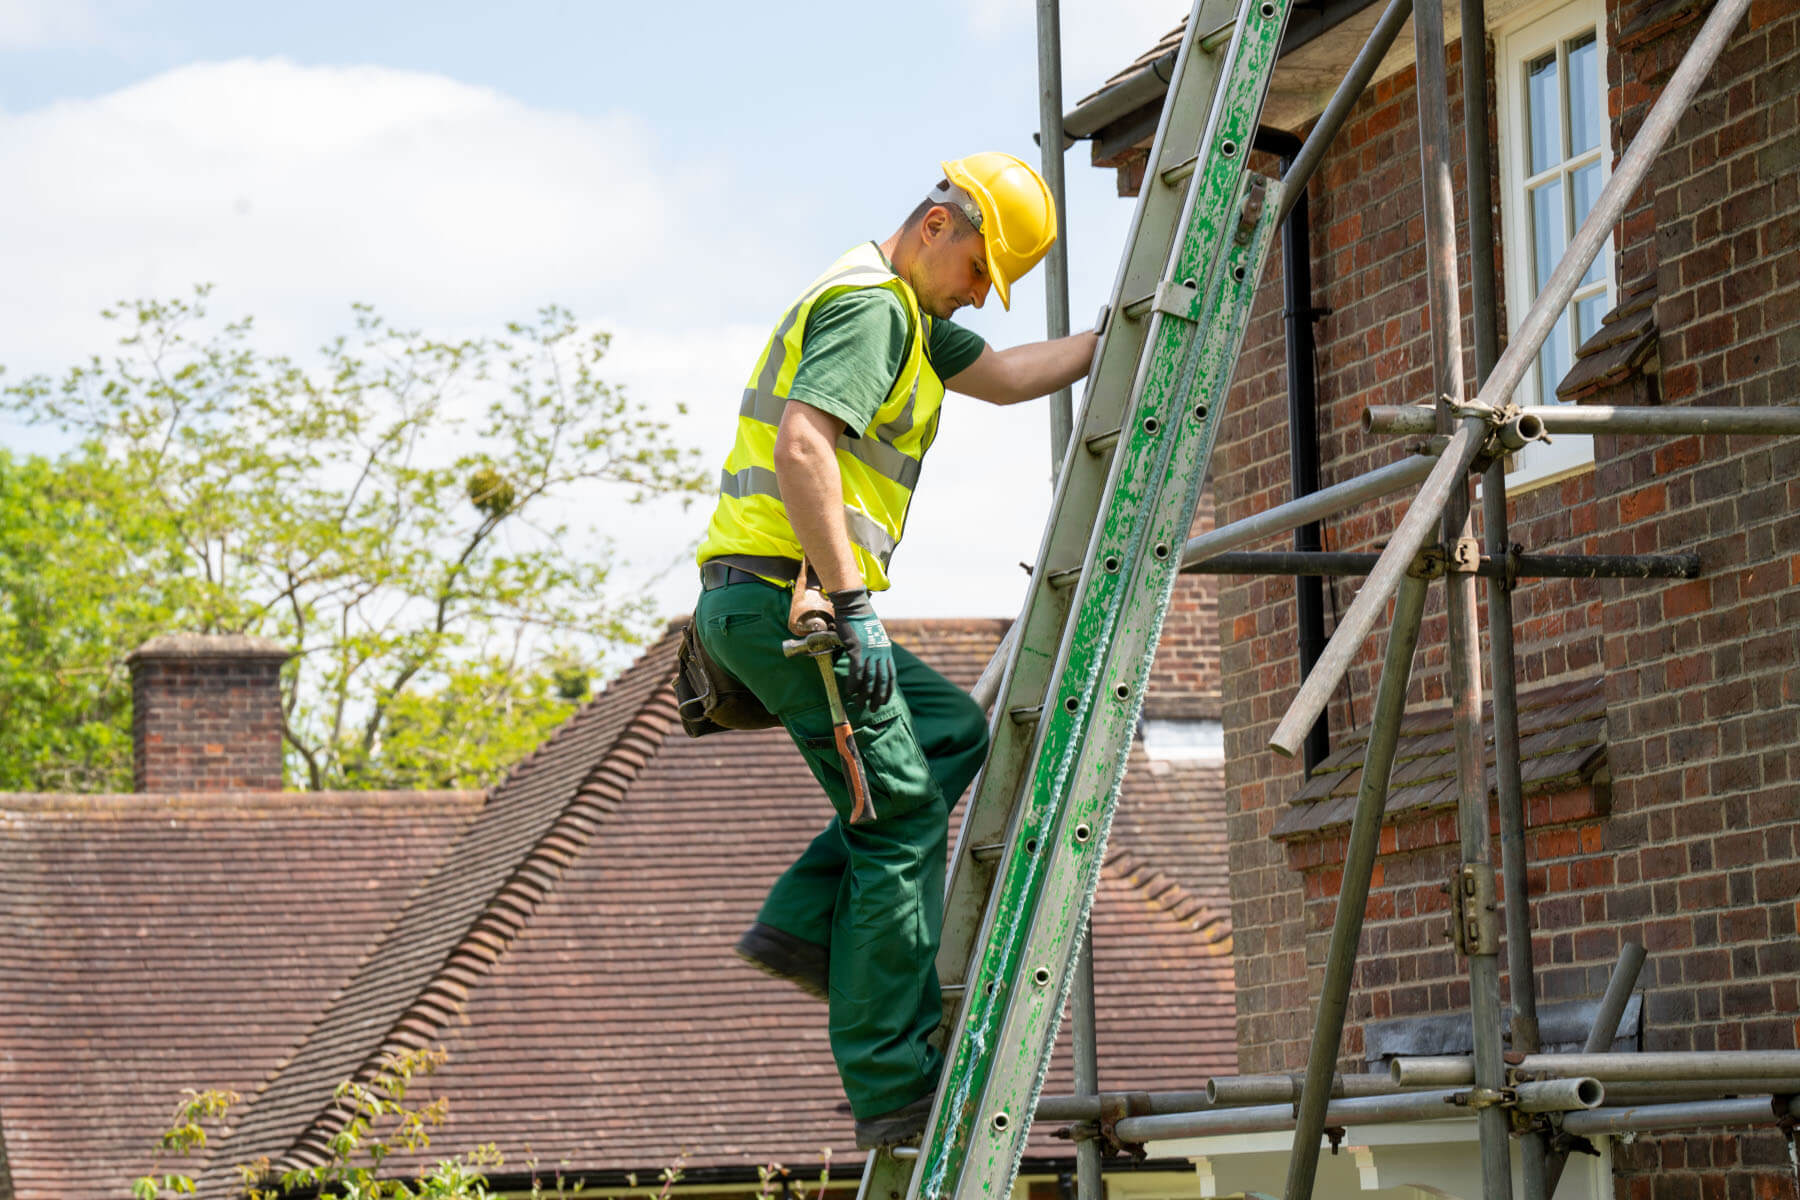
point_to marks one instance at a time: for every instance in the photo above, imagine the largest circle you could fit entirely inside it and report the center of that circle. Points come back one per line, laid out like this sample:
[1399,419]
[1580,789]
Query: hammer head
[819,641]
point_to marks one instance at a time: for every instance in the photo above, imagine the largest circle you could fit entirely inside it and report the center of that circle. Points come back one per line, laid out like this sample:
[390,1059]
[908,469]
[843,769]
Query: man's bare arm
[813,492]
[1025,372]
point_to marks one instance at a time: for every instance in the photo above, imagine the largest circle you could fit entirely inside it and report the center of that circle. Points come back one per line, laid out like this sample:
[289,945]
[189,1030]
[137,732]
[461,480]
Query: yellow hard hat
[1018,218]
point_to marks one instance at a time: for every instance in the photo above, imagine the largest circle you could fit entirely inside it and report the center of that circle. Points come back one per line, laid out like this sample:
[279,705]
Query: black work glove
[866,643]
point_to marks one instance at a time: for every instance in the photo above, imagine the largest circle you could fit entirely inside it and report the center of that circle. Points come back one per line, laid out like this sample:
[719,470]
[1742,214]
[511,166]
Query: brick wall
[206,713]
[1694,852]
[1184,679]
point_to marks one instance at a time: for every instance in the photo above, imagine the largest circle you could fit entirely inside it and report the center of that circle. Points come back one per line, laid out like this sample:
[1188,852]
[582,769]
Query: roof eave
[1145,87]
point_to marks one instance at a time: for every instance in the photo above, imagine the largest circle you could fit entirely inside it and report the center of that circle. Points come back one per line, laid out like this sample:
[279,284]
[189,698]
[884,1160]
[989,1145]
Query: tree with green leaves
[388,511]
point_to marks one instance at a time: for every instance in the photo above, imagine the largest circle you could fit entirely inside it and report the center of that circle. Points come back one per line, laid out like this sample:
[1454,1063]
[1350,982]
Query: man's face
[952,264]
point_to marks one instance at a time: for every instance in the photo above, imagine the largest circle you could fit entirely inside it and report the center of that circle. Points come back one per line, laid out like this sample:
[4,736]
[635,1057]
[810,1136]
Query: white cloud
[298,189]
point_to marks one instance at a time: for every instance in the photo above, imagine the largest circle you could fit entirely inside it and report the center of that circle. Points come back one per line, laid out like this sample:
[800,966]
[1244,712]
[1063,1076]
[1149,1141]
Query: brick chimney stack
[206,713]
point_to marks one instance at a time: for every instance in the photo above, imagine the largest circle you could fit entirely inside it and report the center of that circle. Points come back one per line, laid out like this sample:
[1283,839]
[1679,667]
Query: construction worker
[836,418]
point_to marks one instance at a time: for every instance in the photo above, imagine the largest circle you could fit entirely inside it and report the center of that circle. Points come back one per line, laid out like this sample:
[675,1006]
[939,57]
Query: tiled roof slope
[1562,743]
[620,1029]
[136,955]
[417,977]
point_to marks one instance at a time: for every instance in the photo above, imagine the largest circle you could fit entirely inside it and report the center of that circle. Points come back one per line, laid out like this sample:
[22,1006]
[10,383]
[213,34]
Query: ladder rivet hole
[1111,564]
[1162,549]
[1228,149]
[1190,282]
[1031,845]
[1002,1122]
[1083,833]
[1151,424]
[1072,703]
[1267,10]
[1041,976]
[1122,691]
[991,988]
[1200,411]
[1237,273]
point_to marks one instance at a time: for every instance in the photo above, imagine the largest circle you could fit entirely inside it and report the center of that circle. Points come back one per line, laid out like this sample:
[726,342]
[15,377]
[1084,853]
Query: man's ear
[937,223]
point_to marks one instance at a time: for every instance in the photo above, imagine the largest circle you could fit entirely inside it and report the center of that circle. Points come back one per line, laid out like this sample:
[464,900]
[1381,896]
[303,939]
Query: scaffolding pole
[1695,1065]
[1353,894]
[1603,418]
[1477,930]
[1051,147]
[1506,565]
[1084,1036]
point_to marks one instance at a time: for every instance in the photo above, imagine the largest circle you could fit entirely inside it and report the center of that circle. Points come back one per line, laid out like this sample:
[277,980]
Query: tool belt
[709,698]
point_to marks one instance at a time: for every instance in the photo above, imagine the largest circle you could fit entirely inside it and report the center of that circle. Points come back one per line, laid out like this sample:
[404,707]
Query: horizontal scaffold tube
[1583,418]
[1643,1091]
[1519,566]
[1270,1118]
[1696,1114]
[1670,1066]
[1088,1108]
[1285,1089]
[1559,1095]
[1315,506]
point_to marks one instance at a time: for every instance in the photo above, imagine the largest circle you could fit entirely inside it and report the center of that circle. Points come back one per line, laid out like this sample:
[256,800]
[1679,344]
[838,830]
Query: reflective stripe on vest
[879,470]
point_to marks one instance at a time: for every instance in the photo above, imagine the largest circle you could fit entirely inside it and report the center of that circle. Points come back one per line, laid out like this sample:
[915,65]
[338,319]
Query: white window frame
[1521,39]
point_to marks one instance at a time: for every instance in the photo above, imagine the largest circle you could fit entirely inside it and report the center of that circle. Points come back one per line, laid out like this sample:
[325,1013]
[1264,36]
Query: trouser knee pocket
[899,778]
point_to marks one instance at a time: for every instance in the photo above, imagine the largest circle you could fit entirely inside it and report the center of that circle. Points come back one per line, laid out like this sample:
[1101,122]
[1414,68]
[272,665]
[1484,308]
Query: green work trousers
[871,893]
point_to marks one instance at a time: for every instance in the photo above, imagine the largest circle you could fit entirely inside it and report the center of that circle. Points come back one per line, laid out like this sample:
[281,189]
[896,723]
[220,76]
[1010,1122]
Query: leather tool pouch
[708,697]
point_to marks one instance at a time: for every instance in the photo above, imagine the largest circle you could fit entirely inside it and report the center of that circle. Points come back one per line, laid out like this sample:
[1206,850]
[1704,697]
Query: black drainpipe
[1303,423]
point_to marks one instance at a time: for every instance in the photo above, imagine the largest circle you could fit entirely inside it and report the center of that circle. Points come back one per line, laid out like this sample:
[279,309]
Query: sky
[673,174]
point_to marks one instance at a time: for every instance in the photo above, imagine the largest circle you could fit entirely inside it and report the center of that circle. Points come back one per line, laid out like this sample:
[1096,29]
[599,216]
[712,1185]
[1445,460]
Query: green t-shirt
[855,346]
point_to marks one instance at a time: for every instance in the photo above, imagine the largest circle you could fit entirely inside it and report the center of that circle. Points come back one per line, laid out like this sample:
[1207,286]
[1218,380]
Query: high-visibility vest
[879,469]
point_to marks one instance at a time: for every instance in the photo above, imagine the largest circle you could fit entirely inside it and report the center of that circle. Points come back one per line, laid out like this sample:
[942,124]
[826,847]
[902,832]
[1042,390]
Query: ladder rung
[1218,37]
[904,1152]
[1100,443]
[1180,171]
[952,989]
[1176,299]
[1025,714]
[988,852]
[1063,578]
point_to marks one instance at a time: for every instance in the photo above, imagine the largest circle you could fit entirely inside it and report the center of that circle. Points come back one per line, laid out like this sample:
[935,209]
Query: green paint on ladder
[1135,525]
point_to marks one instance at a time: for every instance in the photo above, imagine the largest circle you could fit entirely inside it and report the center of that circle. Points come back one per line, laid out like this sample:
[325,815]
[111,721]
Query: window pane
[1554,360]
[1587,95]
[1584,189]
[1548,236]
[1589,314]
[1543,112]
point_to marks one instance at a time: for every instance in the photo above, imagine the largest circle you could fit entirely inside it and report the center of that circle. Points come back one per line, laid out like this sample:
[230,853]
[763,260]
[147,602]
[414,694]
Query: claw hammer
[818,640]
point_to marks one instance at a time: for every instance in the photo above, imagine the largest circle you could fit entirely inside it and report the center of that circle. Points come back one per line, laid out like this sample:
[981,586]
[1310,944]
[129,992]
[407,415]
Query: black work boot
[804,964]
[904,1124]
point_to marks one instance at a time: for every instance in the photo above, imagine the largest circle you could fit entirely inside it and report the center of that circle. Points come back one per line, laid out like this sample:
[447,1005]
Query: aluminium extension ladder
[1027,859]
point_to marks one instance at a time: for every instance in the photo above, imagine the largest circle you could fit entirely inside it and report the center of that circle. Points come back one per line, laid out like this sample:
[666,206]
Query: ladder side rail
[988,816]
[1076,845]
[1225,149]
